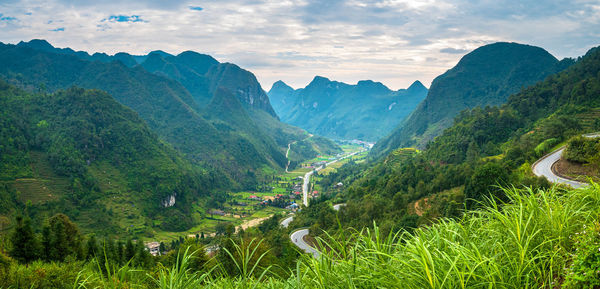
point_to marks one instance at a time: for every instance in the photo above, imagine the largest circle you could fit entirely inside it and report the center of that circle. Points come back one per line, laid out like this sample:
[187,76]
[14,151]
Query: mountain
[188,68]
[367,111]
[203,76]
[81,152]
[43,45]
[485,148]
[165,104]
[485,76]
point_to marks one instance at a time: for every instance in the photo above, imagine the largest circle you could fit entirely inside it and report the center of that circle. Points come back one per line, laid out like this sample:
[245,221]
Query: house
[293,206]
[153,248]
[254,197]
[338,185]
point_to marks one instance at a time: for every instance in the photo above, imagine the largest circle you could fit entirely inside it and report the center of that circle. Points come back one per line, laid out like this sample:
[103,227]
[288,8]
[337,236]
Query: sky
[391,41]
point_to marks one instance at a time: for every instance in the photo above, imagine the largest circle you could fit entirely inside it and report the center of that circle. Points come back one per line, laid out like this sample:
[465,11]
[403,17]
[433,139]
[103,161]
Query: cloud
[124,18]
[451,50]
[391,41]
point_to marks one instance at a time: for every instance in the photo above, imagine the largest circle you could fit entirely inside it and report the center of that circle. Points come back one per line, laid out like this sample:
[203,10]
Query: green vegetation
[236,156]
[539,239]
[486,76]
[366,111]
[77,151]
[584,150]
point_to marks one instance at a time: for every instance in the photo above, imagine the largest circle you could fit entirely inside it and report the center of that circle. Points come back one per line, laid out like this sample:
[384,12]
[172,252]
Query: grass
[529,242]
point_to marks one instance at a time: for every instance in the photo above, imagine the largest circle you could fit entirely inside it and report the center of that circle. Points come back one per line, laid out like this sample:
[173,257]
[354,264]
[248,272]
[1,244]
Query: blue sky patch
[197,8]
[59,29]
[7,18]
[124,18]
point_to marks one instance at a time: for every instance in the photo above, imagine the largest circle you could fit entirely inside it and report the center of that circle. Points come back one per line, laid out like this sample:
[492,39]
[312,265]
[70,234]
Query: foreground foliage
[539,239]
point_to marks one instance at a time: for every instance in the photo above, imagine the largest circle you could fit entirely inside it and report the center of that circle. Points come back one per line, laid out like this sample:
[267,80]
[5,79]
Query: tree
[92,247]
[129,251]
[25,246]
[485,182]
[62,238]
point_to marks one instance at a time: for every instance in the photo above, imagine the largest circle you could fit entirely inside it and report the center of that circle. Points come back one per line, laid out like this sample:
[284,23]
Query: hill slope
[80,152]
[367,111]
[485,76]
[486,147]
[165,104]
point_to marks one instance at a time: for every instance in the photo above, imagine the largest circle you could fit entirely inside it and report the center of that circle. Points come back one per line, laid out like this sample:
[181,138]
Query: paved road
[286,156]
[543,167]
[338,206]
[286,222]
[297,238]
[307,175]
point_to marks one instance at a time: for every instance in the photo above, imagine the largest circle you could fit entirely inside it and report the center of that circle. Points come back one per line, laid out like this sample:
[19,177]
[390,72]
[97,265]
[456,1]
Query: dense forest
[486,148]
[81,153]
[487,76]
[177,112]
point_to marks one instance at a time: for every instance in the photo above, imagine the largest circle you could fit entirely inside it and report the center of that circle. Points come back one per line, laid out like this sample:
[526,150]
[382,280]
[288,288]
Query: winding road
[543,167]
[307,175]
[297,236]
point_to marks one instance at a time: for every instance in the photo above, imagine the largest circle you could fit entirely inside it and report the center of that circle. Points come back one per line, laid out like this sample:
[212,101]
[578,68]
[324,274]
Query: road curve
[286,222]
[543,166]
[297,237]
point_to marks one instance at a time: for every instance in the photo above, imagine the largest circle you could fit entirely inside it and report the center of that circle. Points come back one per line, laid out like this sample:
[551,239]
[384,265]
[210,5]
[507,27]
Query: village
[242,210]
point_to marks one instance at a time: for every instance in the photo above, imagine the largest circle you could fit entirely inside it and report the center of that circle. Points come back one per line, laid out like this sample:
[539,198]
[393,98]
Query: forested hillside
[366,111]
[485,147]
[166,105]
[203,76]
[82,153]
[485,76]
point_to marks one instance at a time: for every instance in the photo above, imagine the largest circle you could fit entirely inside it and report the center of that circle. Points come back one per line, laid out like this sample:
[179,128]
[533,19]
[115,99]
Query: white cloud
[392,41]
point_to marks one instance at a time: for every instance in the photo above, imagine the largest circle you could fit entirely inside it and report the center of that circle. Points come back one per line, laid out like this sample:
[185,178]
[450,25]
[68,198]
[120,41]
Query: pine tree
[58,243]
[92,247]
[46,243]
[129,251]
[25,246]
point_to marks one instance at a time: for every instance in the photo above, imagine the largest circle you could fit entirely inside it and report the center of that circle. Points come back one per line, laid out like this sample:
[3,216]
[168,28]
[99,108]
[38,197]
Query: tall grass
[524,243]
[180,275]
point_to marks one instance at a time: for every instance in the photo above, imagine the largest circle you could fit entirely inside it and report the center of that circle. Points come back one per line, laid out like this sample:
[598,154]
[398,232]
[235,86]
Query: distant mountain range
[172,94]
[366,111]
[485,76]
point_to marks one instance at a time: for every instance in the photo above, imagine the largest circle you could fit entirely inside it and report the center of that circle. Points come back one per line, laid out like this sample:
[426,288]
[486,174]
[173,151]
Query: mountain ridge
[366,110]
[484,76]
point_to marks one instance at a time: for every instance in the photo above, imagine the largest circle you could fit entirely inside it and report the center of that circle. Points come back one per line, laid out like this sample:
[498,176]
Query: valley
[176,169]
